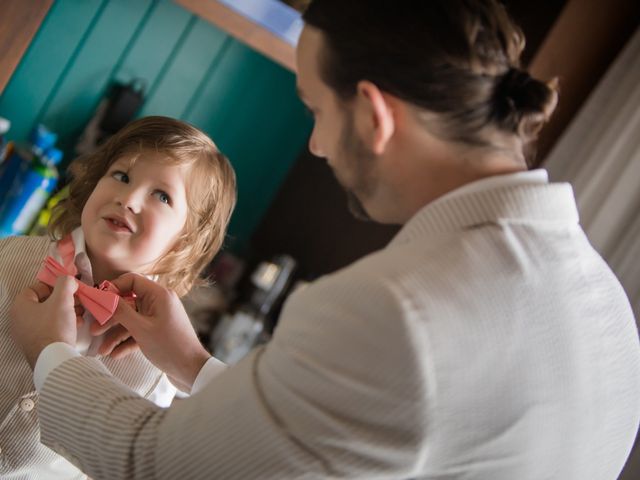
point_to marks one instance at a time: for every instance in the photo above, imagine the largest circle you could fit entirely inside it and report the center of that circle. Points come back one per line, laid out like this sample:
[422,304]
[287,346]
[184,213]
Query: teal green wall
[194,72]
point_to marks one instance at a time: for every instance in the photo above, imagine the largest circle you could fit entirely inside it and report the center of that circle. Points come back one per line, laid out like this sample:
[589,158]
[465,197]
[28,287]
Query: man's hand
[40,317]
[117,342]
[161,328]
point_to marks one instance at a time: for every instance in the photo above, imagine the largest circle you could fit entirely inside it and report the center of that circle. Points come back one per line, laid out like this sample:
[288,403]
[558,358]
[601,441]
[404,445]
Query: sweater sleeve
[330,395]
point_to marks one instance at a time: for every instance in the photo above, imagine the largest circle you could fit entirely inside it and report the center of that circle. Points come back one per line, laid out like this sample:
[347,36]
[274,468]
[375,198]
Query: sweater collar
[524,197]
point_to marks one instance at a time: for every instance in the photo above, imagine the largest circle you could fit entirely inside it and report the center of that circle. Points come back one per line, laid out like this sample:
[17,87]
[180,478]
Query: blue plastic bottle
[18,163]
[29,193]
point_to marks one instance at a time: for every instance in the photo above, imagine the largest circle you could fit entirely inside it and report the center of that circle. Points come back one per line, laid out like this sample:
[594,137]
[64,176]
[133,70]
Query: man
[487,341]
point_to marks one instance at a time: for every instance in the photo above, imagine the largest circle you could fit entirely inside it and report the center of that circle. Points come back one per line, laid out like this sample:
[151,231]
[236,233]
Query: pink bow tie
[101,301]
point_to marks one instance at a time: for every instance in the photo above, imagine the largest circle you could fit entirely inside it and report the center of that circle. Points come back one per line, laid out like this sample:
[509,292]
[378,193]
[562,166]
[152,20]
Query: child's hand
[40,316]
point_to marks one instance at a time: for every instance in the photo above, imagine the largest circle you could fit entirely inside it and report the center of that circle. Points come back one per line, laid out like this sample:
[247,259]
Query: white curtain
[600,155]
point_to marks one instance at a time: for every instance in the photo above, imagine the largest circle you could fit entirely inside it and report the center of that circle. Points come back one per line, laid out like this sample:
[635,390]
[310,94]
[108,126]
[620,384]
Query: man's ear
[379,115]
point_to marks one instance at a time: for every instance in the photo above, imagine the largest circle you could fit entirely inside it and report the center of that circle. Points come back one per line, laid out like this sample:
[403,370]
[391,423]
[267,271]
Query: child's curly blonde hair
[211,192]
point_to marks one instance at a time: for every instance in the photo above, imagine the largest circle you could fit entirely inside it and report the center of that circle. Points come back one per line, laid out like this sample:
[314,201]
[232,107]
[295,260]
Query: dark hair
[456,58]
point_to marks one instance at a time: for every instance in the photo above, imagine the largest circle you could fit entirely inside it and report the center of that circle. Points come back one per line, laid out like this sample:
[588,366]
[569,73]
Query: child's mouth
[117,225]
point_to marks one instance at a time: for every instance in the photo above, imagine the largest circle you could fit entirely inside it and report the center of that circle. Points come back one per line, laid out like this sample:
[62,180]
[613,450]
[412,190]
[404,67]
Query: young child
[155,199]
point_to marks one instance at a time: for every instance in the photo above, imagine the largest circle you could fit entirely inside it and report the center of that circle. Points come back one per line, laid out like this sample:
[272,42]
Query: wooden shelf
[244,29]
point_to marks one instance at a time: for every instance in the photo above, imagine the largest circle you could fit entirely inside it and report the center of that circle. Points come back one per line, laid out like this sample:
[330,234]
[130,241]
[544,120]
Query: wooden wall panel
[97,59]
[192,61]
[44,65]
[194,71]
[238,105]
[154,48]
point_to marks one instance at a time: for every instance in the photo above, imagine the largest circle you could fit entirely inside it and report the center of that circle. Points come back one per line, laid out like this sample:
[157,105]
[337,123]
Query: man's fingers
[132,282]
[125,349]
[127,316]
[42,291]
[97,329]
[123,315]
[112,339]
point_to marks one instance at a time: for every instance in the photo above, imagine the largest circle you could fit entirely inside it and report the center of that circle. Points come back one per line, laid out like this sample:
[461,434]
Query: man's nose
[314,146]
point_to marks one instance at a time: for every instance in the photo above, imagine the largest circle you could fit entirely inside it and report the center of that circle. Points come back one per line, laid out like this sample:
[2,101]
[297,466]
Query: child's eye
[163,197]
[120,176]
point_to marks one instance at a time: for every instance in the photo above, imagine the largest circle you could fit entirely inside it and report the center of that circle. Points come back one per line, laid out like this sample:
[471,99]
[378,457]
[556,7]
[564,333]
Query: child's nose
[130,199]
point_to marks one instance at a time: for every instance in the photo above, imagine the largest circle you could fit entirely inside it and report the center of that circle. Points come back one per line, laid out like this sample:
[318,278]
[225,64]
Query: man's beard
[355,206]
[353,148]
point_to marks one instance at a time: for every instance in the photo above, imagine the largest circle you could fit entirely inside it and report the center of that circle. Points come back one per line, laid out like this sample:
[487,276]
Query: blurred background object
[300,5]
[254,318]
[119,106]
[28,177]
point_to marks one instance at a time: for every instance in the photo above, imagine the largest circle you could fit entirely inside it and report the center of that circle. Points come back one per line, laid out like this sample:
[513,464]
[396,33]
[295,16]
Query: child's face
[135,214]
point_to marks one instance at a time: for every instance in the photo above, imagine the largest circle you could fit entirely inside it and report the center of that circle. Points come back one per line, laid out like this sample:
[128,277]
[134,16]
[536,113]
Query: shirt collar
[537,176]
[81,258]
[78,241]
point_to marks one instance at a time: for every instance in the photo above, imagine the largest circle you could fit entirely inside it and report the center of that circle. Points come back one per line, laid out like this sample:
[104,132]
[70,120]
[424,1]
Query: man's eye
[163,197]
[120,176]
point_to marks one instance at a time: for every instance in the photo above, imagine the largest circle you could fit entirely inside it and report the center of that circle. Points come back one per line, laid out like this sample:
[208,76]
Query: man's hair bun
[521,103]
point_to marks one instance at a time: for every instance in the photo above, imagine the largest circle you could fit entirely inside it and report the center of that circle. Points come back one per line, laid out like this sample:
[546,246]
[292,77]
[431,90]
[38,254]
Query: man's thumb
[64,289]
[125,314]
